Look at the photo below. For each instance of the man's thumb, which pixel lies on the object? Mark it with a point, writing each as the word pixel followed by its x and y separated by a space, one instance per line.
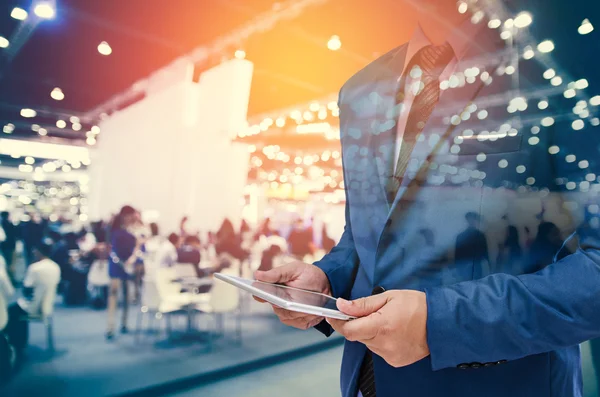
pixel 279 275
pixel 362 307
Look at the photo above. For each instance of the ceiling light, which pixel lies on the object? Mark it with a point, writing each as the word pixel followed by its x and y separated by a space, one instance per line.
pixel 463 7
pixel 43 131
pixel 8 128
pixel 57 94
pixel 528 53
pixel 61 123
pixel 95 129
pixel 28 113
pixel 240 54
pixel 19 13
pixel 74 119
pixel 44 10
pixel 35 127
pixel 91 141
pixel 523 20
pixel 76 127
pixel 104 48
pixel 3 42
pixel 494 23
pixel 546 46
pixel 586 27
pixel 334 43
pixel 29 160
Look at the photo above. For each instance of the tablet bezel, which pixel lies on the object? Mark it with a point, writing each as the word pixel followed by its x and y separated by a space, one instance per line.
pixel 277 301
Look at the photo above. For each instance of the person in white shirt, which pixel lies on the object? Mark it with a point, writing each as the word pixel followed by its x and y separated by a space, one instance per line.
pixel 166 254
pixel 42 277
pixel 6 293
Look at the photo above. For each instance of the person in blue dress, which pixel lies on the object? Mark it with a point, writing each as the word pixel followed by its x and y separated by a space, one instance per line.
pixel 125 252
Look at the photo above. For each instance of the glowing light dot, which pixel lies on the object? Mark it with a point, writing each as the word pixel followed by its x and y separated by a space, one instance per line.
pixel 528 53
pixel 61 123
pixel 462 7
pixel 28 113
pixel 543 104
pixel 585 27
pixel 535 129
pixel 494 23
pixel 482 114
pixel 556 81
pixel 548 74
pixel 44 10
pixel 570 93
pixel 577 125
pixel 18 13
pixel 545 46
pixel 581 84
pixel 534 140
pixel 57 94
pixel 104 48
pixel 505 35
pixel 553 149
pixel 503 163
pixel 509 70
pixel 4 42
pixel 240 54
pixel 571 185
pixel 509 23
pixel 521 169
pixel 523 20
pixel 481 157
pixel 334 43
pixel 570 158
pixel 530 180
pixel 583 164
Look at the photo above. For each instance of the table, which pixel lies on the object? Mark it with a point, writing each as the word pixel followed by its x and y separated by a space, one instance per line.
pixel 197 285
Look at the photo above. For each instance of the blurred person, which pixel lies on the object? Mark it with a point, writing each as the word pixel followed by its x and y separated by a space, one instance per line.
pixel 471 250
pixel 8 245
pixel 228 246
pixel 547 244
pixel 32 233
pixel 509 252
pixel 66 253
pixel 98 280
pixel 264 229
pixel 125 253
pixel 166 255
pixel 189 253
pixel 40 284
pixel 500 335
pixel 300 240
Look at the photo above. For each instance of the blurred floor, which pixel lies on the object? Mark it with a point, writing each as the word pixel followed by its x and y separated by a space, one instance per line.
pixel 314 375
pixel 85 364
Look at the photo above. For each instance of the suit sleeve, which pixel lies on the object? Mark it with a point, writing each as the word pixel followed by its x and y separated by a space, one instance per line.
pixel 506 317
pixel 340 263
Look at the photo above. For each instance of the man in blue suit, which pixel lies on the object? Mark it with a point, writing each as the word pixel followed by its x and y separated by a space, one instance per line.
pixel 471 116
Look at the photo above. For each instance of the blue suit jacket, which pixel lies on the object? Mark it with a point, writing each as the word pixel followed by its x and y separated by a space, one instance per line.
pixel 509 297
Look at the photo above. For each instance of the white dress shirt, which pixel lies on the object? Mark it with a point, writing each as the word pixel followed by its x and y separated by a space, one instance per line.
pixel 459 41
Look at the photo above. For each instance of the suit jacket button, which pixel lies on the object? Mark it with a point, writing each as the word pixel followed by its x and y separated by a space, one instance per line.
pixel 475 365
pixel 462 366
pixel 378 290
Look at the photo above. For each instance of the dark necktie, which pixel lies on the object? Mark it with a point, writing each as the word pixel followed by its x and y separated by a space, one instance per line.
pixel 432 60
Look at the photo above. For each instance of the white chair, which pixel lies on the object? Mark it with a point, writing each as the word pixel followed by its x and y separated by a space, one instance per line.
pixel 224 298
pixel 45 315
pixel 185 270
pixel 162 298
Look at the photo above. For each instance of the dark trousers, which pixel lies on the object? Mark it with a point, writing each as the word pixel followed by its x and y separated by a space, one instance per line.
pixel 17 329
pixel 7 253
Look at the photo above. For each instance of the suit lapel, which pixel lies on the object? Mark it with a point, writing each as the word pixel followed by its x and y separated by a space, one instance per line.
pixel 384 126
pixel 453 103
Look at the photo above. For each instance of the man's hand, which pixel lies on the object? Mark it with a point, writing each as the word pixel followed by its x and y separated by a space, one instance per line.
pixel 298 275
pixel 392 325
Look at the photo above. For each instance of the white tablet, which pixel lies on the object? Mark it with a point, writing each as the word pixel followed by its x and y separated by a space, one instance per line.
pixel 294 299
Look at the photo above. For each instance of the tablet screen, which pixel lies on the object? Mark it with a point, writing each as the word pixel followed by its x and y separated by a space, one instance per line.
pixel 294 295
